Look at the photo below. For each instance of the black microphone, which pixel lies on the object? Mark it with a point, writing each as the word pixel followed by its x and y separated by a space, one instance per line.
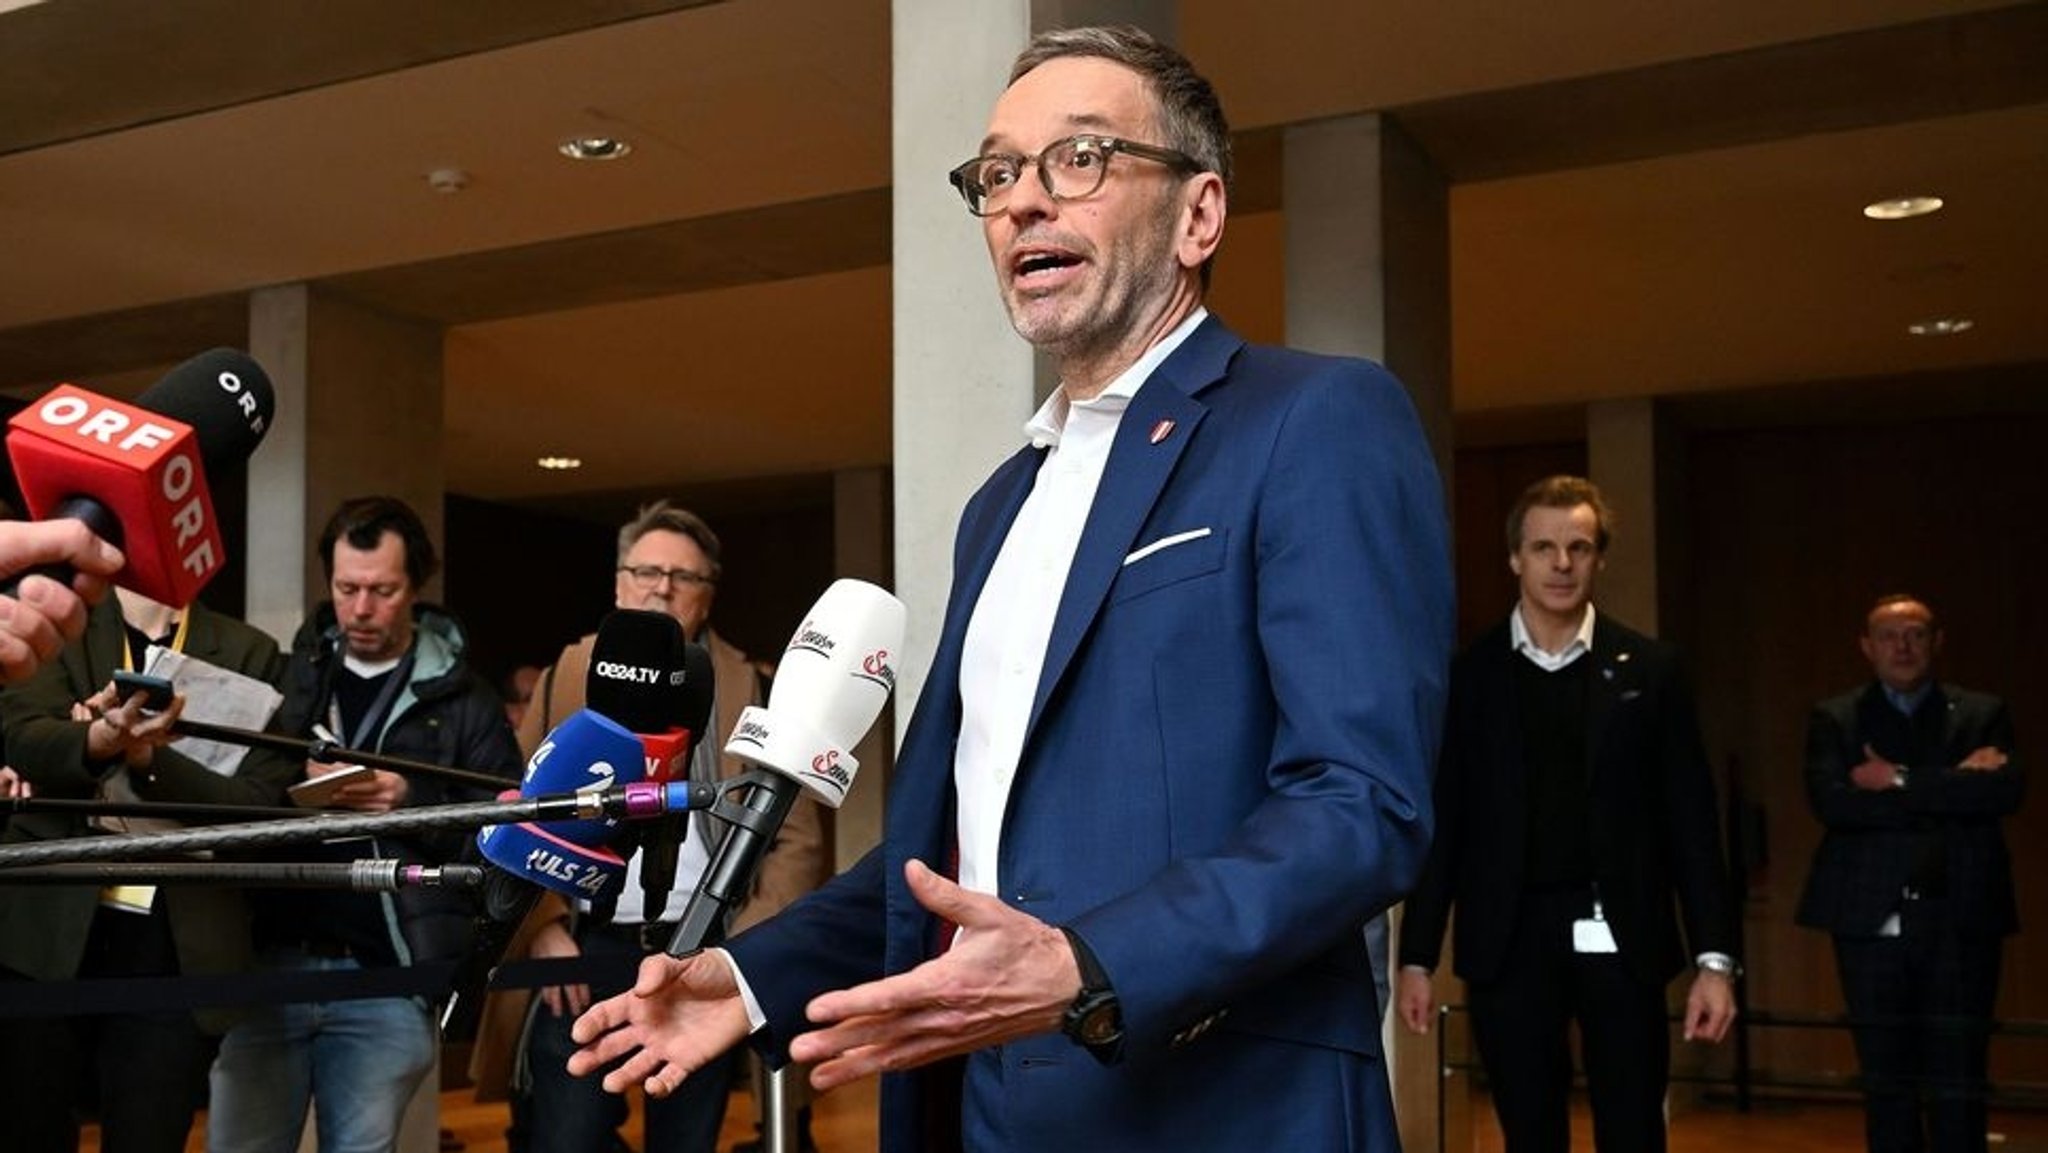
pixel 834 677
pixel 654 708
pixel 136 475
pixel 638 689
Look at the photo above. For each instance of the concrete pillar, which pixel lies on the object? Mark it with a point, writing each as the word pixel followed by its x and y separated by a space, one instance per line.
pixel 1635 452
pixel 358 412
pixel 964 382
pixel 1367 237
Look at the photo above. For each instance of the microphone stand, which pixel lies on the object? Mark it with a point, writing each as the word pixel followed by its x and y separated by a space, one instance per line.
pixel 325 750
pixel 641 801
pixel 363 876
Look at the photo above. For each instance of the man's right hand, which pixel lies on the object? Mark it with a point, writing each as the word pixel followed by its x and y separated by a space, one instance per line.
pixel 682 1014
pixel 42 614
pixel 1414 998
pixel 1874 774
pixel 553 941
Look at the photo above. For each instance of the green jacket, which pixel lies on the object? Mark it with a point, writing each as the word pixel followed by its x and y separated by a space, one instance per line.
pixel 43 929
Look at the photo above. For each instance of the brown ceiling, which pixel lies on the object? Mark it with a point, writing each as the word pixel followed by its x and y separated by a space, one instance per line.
pixel 1640 207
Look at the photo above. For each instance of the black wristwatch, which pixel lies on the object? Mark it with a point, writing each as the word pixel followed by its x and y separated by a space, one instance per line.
pixel 1094 1021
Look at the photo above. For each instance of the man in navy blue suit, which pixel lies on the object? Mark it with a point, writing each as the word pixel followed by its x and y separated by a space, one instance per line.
pixel 1179 727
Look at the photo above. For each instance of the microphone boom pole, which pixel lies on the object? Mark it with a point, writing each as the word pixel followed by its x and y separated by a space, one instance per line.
pixel 322 750
pixel 365 876
pixel 641 801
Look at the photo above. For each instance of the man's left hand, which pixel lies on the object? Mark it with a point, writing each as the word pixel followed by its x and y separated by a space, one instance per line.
pixel 377 791
pixel 1709 1007
pixel 1988 759
pixel 1008 975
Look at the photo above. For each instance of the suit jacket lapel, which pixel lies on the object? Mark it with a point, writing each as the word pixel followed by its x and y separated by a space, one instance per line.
pixel 1610 672
pixel 982 538
pixel 1951 722
pixel 1140 463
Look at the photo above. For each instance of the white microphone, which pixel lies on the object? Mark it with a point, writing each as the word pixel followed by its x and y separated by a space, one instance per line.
pixel 834 677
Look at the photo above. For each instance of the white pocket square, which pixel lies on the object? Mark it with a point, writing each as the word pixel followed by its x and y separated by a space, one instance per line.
pixel 1166 542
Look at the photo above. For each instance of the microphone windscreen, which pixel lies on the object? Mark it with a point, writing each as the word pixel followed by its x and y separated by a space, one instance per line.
pixel 227 399
pixel 588 750
pixel 643 674
pixel 840 665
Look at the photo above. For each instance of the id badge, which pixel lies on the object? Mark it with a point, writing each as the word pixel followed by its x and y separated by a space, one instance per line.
pixel 128 898
pixel 1591 934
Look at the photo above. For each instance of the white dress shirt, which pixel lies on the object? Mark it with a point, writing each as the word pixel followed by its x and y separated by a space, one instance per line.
pixel 1012 621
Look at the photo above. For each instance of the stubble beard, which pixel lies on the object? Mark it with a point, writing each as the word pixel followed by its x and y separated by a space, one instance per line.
pixel 1094 319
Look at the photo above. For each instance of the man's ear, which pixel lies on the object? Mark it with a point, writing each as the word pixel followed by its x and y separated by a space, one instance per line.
pixel 1204 206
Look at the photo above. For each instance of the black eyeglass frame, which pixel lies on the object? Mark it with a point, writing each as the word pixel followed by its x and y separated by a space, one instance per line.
pixel 677 577
pixel 1109 147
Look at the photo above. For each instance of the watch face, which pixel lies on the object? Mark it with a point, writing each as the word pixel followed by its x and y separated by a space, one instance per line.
pixel 1100 1026
pixel 1094 1019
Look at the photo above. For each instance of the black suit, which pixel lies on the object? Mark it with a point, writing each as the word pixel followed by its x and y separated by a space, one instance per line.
pixel 1651 832
pixel 1931 853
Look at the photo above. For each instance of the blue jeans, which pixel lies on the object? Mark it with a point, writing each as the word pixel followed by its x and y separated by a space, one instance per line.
pixel 357 1062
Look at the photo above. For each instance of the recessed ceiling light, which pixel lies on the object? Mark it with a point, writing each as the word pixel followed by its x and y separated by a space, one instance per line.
pixel 594 148
pixel 559 463
pixel 1941 326
pixel 1902 207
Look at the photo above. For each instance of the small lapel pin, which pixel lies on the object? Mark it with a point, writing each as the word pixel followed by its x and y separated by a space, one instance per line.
pixel 1607 673
pixel 1162 430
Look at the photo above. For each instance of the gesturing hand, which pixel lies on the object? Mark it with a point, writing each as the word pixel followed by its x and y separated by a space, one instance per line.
pixel 679 1016
pixel 1008 975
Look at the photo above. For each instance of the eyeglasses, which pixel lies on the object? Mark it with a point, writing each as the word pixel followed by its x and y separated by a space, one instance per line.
pixel 650 576
pixel 1069 169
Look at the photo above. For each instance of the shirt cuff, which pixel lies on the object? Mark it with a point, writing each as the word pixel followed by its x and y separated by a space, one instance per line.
pixel 755 1017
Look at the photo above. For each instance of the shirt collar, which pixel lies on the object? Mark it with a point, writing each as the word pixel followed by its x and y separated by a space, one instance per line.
pixel 1520 640
pixel 1907 703
pixel 1046 424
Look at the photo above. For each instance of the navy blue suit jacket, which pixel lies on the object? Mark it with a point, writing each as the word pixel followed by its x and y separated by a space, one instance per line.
pixel 1226 770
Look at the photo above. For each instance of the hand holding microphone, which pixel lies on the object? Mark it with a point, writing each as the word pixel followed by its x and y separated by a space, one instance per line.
pixel 121 491
pixel 41 610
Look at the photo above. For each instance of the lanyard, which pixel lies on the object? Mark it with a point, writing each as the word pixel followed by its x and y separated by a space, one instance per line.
pixel 177 644
pixel 373 717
